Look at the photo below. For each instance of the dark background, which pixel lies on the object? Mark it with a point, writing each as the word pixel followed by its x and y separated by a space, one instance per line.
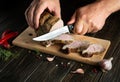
pixel 19 6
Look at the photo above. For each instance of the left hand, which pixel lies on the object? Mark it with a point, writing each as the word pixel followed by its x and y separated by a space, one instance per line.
pixel 37 7
pixel 89 19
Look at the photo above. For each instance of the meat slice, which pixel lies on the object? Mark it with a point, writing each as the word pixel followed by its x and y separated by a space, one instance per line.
pixel 93 49
pixel 56 24
pixel 75 46
pixel 63 39
pixel 47 43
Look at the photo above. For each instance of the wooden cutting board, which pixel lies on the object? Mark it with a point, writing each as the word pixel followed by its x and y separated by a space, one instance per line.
pixel 25 40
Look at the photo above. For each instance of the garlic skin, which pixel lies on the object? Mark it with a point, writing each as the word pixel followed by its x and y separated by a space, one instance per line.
pixel 79 70
pixel 106 64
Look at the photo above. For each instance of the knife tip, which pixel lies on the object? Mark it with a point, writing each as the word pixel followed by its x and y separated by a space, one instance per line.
pixel 35 39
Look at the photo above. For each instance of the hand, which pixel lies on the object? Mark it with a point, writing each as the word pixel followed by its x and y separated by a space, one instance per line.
pixel 37 7
pixel 89 19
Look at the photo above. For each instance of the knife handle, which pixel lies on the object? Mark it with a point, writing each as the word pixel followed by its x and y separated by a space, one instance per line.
pixel 70 27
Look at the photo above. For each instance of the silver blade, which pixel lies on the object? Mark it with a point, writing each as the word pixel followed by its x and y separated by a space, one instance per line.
pixel 52 34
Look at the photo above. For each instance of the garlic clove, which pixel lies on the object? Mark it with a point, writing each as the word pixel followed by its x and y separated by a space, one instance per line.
pixel 50 58
pixel 106 64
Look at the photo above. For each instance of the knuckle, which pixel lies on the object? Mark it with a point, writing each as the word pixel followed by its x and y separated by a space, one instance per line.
pixel 83 16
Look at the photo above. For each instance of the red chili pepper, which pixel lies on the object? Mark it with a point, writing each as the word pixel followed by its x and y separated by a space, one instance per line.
pixel 6 44
pixel 6 35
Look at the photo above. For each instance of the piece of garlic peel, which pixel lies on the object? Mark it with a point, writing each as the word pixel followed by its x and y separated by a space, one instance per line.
pixel 79 70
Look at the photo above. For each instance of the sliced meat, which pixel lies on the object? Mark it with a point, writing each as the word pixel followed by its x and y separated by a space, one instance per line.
pixel 75 46
pixel 55 24
pixel 47 43
pixel 93 49
pixel 63 39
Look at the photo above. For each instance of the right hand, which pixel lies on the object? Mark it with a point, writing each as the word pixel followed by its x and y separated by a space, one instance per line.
pixel 37 7
pixel 90 18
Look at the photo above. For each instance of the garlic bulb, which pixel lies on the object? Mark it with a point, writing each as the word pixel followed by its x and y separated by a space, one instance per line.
pixel 106 64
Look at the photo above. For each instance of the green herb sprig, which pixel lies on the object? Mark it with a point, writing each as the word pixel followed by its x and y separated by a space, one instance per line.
pixel 5 54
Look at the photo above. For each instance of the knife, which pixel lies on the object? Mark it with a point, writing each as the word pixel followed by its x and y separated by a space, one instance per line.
pixel 55 33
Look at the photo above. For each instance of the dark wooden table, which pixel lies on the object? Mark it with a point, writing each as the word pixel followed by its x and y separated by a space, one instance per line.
pixel 31 66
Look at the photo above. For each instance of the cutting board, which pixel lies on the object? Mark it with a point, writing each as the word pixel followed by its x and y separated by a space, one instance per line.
pixel 25 40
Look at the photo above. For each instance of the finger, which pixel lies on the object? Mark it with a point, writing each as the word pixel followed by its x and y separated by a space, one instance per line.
pixel 37 13
pixel 57 13
pixel 95 30
pixel 85 29
pixel 29 14
pixel 92 29
pixel 27 17
pixel 78 27
pixel 72 20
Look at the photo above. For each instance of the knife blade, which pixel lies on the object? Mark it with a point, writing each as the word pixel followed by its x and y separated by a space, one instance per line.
pixel 55 33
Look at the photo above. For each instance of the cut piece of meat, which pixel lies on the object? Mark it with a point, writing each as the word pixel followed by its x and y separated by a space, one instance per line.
pixel 55 23
pixel 48 23
pixel 86 55
pixel 65 38
pixel 93 49
pixel 61 39
pixel 44 16
pixel 75 46
pixel 47 43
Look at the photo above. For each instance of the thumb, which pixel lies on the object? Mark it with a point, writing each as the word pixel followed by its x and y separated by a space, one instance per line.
pixel 72 20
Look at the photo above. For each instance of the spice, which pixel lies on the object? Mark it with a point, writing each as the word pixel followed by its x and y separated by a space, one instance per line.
pixel 7 35
pixel 56 65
